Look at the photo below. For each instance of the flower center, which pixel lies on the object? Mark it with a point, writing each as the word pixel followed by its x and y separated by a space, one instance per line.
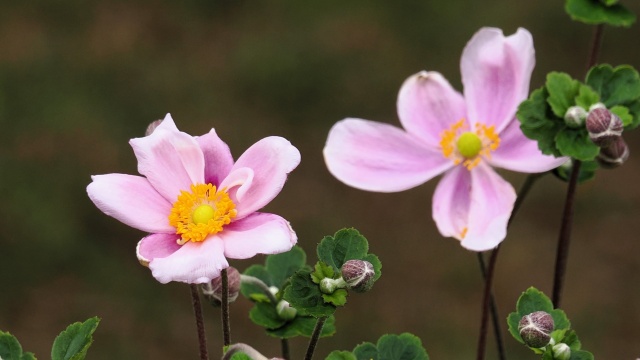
pixel 468 147
pixel 201 212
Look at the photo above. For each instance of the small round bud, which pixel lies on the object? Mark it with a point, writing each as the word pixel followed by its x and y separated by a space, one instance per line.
pixel 603 126
pixel 613 155
pixel 535 329
pixel 285 310
pixel 212 290
pixel 575 116
pixel 152 127
pixel 561 351
pixel 358 274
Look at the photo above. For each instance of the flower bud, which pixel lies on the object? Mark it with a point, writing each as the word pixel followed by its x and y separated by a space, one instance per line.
pixel 575 116
pixel 561 351
pixel 613 155
pixel 152 127
pixel 358 274
pixel 286 311
pixel 535 329
pixel 603 126
pixel 212 290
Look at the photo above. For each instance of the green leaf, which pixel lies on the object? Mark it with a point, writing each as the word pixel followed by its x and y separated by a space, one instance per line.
pixel 634 110
pixel 531 301
pixel 393 347
pixel 563 91
pixel 586 97
pixel 581 355
pixel 303 326
pixel 10 348
pixel 337 298
pixel 623 113
pixel 609 2
pixel 282 266
pixel 321 271
pixel 240 356
pixel 346 244
pixel 571 339
pixel 616 86
pixel 73 343
pixel 265 315
pixel 538 122
pixel 306 297
pixel 576 144
pixel 596 12
pixel 341 355
pixel 587 171
pixel 377 265
pixel 255 292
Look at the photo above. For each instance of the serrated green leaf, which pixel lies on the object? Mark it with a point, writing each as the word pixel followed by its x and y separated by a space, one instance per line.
pixel 265 315
pixel 538 122
pixel 586 97
pixel 282 266
pixel 341 355
pixel 10 348
pixel 305 296
pixel 337 298
pixel 616 86
pixel 321 271
pixel 303 326
pixel 571 339
pixel 575 143
pixel 623 113
pixel 596 12
pixel 587 171
pixel 404 346
pixel 346 244
pixel 366 351
pixel 581 355
pixel 563 91
pixel 73 343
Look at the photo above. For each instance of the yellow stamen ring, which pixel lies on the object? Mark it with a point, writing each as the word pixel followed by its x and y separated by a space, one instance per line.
pixel 468 147
pixel 201 212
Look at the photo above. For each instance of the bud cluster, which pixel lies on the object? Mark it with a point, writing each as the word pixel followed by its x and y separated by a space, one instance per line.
pixel 605 130
pixel 535 329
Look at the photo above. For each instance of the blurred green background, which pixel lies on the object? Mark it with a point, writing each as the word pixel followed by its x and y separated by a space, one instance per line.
pixel 78 79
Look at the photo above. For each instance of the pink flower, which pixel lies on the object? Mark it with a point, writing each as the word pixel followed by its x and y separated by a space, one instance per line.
pixel 199 206
pixel 458 135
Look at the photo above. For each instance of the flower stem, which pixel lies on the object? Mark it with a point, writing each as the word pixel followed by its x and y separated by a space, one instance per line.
pixel 226 328
pixel 595 46
pixel 314 337
pixel 562 252
pixel 285 349
pixel 248 279
pixel 488 300
pixel 197 311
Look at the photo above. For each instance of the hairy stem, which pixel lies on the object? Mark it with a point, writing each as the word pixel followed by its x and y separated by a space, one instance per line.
pixel 314 337
pixel 197 311
pixel 285 349
pixel 226 328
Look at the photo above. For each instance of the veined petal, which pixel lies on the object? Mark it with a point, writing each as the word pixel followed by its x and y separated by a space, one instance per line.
pixel 428 105
pixel 192 263
pixel 156 246
pixel 132 200
pixel 496 71
pixel 492 200
pixel 451 202
pixel 269 161
pixel 217 157
pixel 170 160
pixel 258 233
pixel 519 153
pixel 380 157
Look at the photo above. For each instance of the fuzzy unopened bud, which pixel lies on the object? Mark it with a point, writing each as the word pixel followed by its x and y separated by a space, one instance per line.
pixel 358 274
pixel 212 290
pixel 285 310
pixel 613 155
pixel 535 329
pixel 575 116
pixel 152 127
pixel 561 351
pixel 604 127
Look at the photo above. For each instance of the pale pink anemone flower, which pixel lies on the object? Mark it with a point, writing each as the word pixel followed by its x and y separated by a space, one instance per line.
pixel 199 206
pixel 459 135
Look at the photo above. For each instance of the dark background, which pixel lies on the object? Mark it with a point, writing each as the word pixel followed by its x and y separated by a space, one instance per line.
pixel 78 79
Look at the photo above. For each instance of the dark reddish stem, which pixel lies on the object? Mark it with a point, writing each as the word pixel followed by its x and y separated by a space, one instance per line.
pixel 226 328
pixel 197 311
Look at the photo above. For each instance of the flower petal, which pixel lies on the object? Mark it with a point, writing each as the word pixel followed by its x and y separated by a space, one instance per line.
pixel 156 246
pixel 171 160
pixel 193 263
pixel 474 207
pixel 132 200
pixel 258 233
pixel 270 160
pixel 428 105
pixel 518 153
pixel 217 158
pixel 167 123
pixel 495 74
pixel 380 157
